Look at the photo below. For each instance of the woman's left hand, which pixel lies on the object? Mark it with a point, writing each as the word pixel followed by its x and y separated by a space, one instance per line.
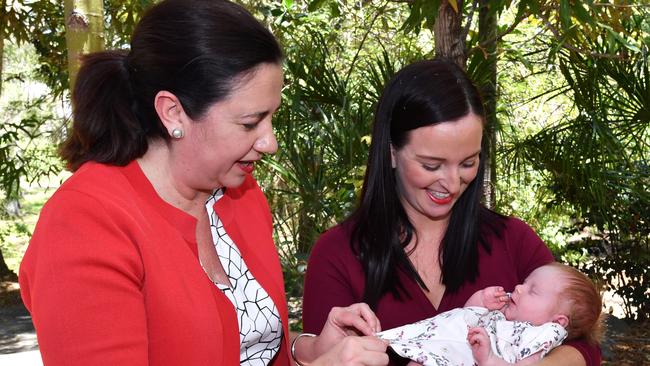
pixel 356 319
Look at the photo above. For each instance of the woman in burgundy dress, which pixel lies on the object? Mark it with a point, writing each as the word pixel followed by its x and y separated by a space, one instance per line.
pixel 420 242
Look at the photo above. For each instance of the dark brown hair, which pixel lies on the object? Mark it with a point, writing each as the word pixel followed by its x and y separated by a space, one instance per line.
pixel 421 94
pixel 196 49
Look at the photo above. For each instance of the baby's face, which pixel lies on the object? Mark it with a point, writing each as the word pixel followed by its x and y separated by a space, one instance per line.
pixel 537 300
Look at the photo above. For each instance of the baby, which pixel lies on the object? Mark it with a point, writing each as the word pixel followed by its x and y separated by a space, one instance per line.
pixel 555 302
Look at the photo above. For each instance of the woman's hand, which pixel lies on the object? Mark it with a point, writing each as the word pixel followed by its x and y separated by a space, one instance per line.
pixel 353 320
pixel 355 351
pixel 356 319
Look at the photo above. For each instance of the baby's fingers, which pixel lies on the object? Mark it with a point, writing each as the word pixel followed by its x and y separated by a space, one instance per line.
pixel 476 333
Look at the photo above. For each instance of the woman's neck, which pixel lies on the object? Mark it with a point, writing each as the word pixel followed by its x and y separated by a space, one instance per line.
pixel 158 166
pixel 429 232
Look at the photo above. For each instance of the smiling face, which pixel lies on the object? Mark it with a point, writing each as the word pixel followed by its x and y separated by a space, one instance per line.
pixel 436 165
pixel 221 147
pixel 538 300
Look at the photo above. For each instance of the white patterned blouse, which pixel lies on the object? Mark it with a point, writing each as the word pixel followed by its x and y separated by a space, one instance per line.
pixel 260 328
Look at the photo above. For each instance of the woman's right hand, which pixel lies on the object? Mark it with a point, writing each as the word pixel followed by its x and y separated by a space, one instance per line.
pixel 354 320
pixel 347 338
pixel 355 351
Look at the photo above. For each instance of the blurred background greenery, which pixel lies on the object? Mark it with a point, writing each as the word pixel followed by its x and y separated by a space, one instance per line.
pixel 566 84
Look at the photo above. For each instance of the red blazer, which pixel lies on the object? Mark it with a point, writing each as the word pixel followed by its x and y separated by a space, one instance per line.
pixel 112 276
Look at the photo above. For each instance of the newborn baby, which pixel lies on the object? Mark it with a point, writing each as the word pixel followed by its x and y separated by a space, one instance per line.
pixel 555 302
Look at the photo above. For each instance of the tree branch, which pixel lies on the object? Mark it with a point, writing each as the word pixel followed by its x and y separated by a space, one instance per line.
pixel 578 50
pixel 363 40
pixel 622 5
pixel 470 16
pixel 498 37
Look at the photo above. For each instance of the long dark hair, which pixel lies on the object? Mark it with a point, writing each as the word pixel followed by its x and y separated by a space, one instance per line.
pixel 195 49
pixel 421 94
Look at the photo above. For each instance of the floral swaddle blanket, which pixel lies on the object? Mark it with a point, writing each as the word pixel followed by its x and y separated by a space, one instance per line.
pixel 442 339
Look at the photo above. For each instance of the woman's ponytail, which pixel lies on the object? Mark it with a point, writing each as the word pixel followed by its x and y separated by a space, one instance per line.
pixel 105 128
pixel 194 49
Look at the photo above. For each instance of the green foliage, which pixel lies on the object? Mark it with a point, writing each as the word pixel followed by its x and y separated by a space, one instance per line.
pixel 13 19
pixel 28 126
pixel 46 30
pixel 332 84
pixel 314 177
pixel 27 154
pixel 613 196
pixel 41 24
pixel 595 165
pixel 120 20
pixel 423 13
pixel 24 151
pixel 16 231
pixel 573 86
pixel 12 231
pixel 313 182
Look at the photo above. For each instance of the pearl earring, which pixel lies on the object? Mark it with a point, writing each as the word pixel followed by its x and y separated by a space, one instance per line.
pixel 177 133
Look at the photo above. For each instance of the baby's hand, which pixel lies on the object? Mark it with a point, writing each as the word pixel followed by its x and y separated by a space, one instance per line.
pixel 481 350
pixel 480 343
pixel 494 297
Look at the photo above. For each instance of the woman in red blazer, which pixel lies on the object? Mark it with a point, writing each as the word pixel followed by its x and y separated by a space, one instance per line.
pixel 158 250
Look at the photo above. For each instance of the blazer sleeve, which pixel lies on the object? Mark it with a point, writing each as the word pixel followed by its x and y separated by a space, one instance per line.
pixel 81 279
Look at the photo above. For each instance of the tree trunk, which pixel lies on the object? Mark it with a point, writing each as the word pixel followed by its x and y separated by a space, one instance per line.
pixel 2 54
pixel 3 11
pixel 84 25
pixel 4 269
pixel 487 26
pixel 5 272
pixel 448 34
pixel 307 224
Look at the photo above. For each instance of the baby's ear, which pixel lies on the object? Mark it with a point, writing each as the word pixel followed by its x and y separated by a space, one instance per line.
pixel 561 319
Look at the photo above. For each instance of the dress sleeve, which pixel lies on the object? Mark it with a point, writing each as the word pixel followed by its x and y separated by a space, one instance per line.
pixel 81 279
pixel 589 351
pixel 332 272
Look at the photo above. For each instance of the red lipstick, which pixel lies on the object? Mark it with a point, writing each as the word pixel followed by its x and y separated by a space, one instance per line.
pixel 440 201
pixel 247 167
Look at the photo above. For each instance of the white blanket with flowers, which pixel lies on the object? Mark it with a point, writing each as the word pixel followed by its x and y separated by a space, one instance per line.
pixel 442 340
